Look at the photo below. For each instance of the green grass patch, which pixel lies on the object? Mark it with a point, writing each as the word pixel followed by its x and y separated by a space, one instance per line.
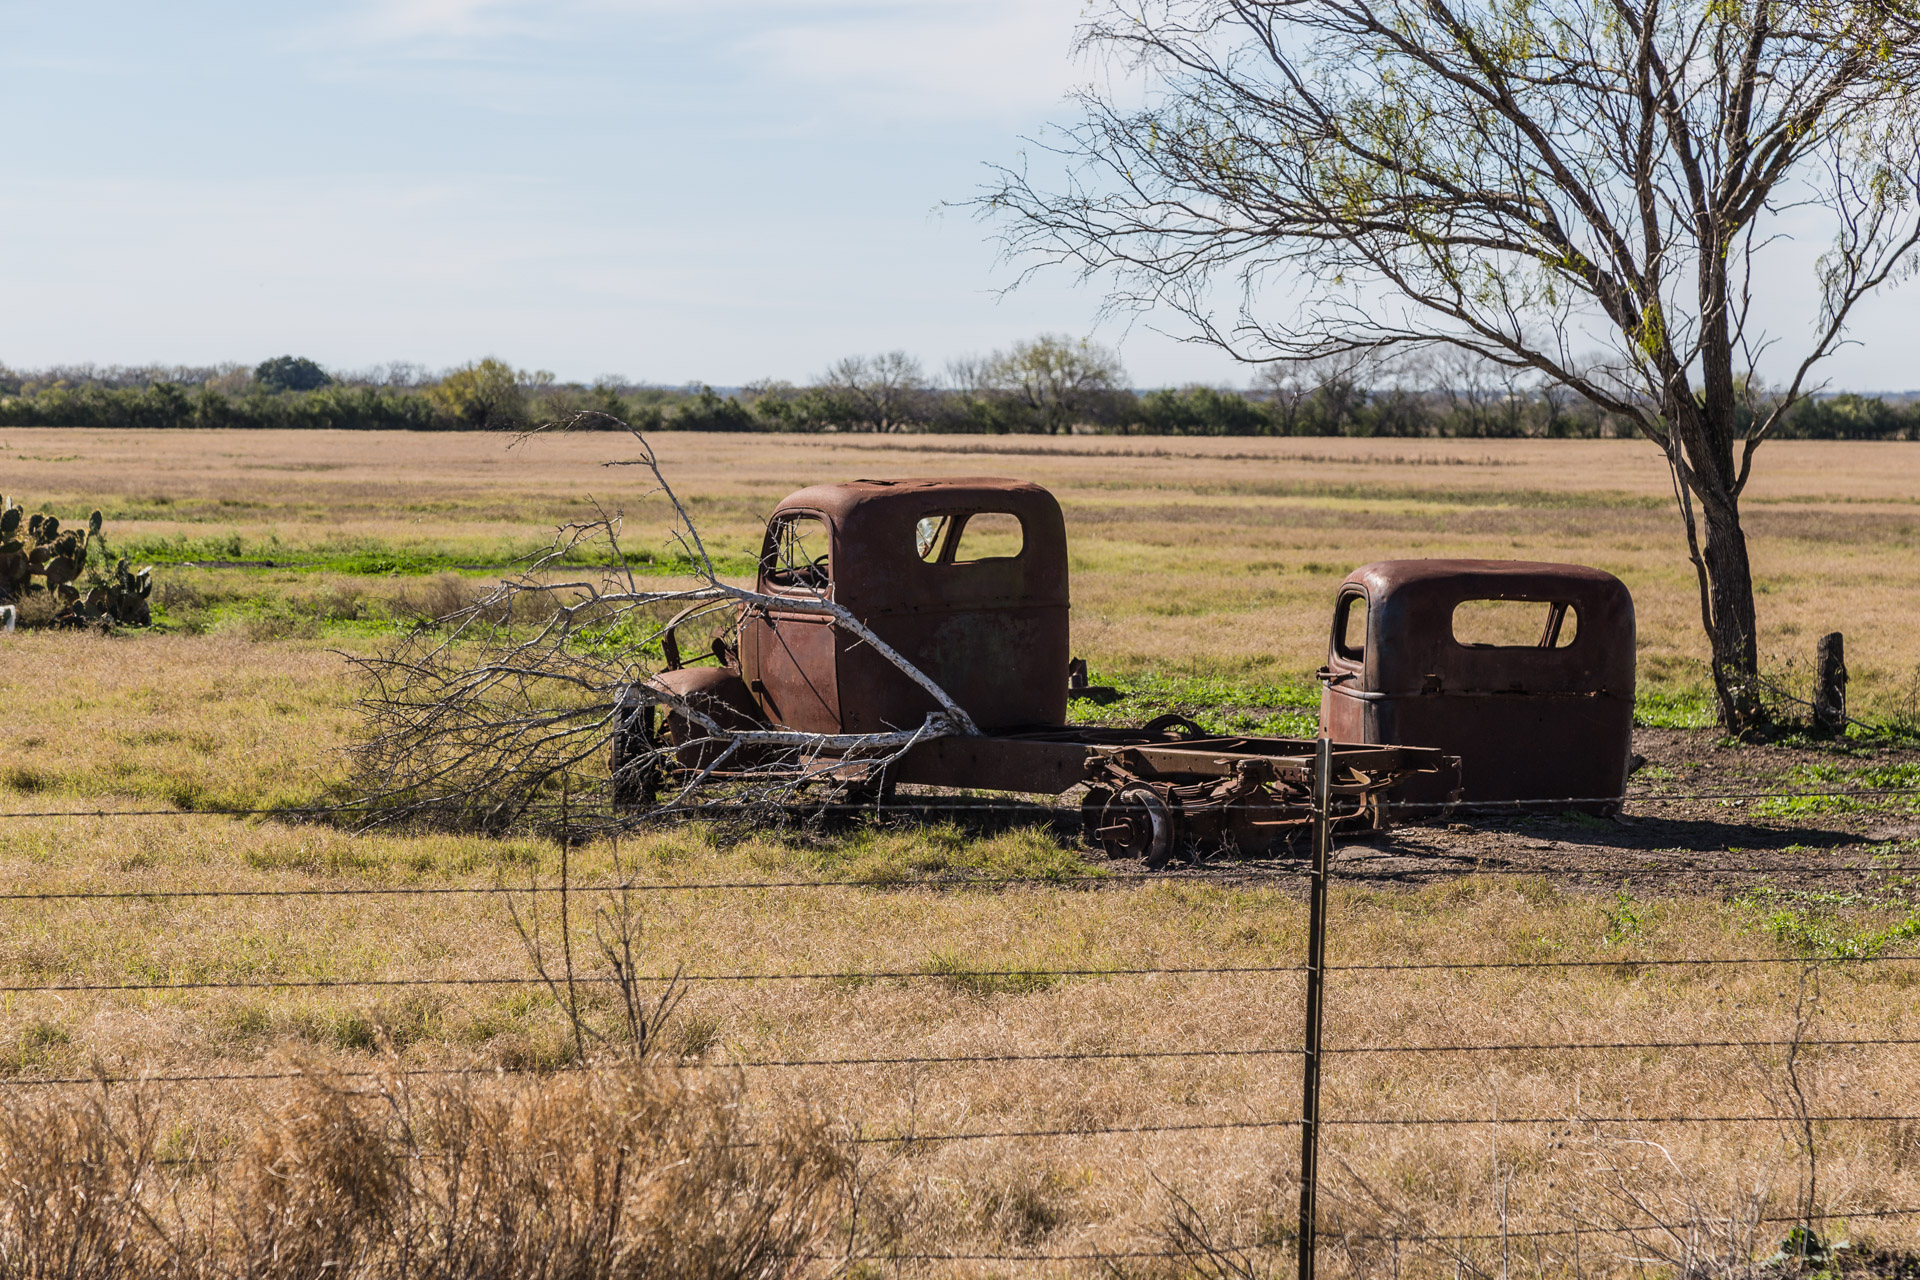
pixel 1901 780
pixel 375 559
pixel 1219 704
pixel 1682 707
pixel 1291 708
pixel 896 855
pixel 1837 924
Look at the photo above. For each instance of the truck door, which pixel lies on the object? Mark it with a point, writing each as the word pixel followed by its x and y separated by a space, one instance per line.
pixel 788 657
pixel 1343 711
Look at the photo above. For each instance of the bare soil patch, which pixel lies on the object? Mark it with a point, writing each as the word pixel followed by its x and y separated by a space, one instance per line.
pixel 1703 816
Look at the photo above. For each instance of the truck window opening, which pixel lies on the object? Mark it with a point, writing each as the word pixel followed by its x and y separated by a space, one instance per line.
pixel 989 535
pixel 1515 624
pixel 799 554
pixel 1350 626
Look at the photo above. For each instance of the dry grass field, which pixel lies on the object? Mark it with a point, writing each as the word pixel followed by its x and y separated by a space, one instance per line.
pixel 1205 557
pixel 1055 1004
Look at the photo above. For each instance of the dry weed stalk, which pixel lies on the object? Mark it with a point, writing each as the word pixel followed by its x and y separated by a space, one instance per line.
pixel 599 1176
pixel 1193 1245
pixel 76 1190
pixel 616 928
pixel 470 722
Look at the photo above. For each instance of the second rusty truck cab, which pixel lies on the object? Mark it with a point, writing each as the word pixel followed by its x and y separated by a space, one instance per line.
pixel 1523 670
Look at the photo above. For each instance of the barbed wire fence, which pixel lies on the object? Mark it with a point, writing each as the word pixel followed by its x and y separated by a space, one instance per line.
pixel 647 997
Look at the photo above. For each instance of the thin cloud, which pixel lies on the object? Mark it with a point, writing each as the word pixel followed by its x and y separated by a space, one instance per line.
pixel 918 58
pixel 931 60
pixel 463 20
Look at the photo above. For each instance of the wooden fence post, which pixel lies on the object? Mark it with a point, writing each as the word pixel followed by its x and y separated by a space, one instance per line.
pixel 1316 991
pixel 1830 685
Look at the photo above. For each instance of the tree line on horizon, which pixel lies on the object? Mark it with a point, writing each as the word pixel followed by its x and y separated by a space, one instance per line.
pixel 1049 385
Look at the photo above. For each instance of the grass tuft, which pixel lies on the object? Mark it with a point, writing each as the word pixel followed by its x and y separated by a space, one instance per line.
pixel 983 979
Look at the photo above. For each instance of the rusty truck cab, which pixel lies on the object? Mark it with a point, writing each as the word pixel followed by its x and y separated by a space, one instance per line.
pixel 1525 671
pixel 966 578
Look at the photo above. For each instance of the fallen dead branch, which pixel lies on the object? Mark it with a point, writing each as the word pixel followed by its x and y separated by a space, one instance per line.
pixel 474 721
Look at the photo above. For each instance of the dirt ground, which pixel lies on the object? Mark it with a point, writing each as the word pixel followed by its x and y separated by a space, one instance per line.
pixel 1703 815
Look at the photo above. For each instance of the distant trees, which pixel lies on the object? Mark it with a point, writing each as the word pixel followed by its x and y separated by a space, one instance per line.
pixel 488 395
pixel 709 411
pixel 1049 385
pixel 1851 417
pixel 887 392
pixel 878 393
pixel 1202 411
pixel 1320 396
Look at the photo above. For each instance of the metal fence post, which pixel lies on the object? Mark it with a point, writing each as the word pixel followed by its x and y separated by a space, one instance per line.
pixel 1316 991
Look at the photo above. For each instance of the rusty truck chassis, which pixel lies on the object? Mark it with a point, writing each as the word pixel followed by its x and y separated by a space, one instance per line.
pixel 1162 790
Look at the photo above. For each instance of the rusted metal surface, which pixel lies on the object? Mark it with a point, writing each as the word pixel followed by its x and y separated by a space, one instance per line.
pixel 1545 714
pixel 992 632
pixel 1252 796
pixel 984 614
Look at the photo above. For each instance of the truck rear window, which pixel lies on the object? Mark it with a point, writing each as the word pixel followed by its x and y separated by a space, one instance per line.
pixel 1515 624
pixel 964 537
pixel 990 535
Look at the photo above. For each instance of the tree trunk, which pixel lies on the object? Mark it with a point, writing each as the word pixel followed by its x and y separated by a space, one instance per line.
pixel 1731 627
pixel 1719 552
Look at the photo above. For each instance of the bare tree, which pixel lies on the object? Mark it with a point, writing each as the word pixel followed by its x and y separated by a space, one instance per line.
pixel 881 393
pixel 1554 399
pixel 1293 389
pixel 1058 380
pixel 1514 180
pixel 1482 396
pixel 968 375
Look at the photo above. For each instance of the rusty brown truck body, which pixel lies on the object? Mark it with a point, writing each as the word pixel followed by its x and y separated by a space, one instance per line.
pixel 967 581
pixel 1524 671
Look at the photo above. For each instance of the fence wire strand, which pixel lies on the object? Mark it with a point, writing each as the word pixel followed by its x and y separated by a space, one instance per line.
pixel 1191 873
pixel 937 1060
pixel 1463 1237
pixel 888 975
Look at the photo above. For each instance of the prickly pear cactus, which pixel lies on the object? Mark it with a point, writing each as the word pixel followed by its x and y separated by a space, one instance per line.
pixel 121 598
pixel 16 572
pixel 57 558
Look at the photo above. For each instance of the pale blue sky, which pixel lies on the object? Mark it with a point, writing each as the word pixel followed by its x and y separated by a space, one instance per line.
pixel 672 190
